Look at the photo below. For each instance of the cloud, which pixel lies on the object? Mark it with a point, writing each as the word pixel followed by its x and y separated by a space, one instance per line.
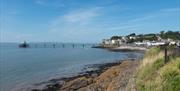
pixel 84 22
pixel 50 3
pixel 171 10
pixel 81 15
pixel 157 14
pixel 74 19
pixel 40 2
pixel 125 27
pixel 75 25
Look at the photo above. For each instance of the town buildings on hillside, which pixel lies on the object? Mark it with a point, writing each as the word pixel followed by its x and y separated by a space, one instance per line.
pixel 132 40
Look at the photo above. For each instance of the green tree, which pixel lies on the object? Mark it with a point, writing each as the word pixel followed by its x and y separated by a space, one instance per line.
pixel 132 34
pixel 115 37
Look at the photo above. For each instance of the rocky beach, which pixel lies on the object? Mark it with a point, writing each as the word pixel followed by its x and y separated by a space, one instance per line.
pixel 106 77
pixel 126 75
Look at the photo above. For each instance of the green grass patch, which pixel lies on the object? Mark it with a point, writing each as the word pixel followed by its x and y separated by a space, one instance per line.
pixel 171 75
pixel 158 76
pixel 153 51
pixel 146 76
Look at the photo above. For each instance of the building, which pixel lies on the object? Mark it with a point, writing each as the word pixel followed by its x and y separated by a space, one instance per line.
pixel 106 41
pixel 149 43
pixel 124 39
pixel 154 43
pixel 132 37
pixel 113 42
pixel 140 43
pixel 117 42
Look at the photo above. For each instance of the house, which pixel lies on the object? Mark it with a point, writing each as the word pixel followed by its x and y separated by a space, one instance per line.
pixel 114 42
pixel 124 39
pixel 140 43
pixel 159 38
pixel 132 37
pixel 117 42
pixel 172 43
pixel 178 43
pixel 106 41
pixel 149 43
pixel 154 43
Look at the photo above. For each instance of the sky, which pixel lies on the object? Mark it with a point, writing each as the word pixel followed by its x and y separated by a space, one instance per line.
pixel 84 21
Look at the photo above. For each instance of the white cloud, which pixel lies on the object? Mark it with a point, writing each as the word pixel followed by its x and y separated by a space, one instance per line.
pixel 75 25
pixel 125 27
pixel 82 22
pixel 41 2
pixel 158 14
pixel 74 19
pixel 81 15
pixel 171 10
pixel 50 3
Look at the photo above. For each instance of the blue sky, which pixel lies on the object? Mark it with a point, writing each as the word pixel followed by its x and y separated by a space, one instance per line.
pixel 84 20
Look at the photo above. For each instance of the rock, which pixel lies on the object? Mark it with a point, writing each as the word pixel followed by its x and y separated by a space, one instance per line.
pixel 76 84
pixel 94 75
pixel 111 77
pixel 115 78
pixel 36 90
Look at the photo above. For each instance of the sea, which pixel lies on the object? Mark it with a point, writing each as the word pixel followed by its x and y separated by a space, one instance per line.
pixel 24 67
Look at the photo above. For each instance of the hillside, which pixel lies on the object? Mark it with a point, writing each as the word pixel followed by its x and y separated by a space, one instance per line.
pixel 155 75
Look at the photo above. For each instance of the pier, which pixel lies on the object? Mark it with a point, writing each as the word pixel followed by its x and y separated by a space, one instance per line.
pixel 57 45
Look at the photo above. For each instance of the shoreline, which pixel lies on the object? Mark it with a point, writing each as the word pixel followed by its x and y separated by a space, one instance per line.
pixel 65 83
pixel 122 48
pixel 56 83
pixel 128 48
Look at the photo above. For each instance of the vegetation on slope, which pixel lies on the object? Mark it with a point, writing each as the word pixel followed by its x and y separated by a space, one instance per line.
pixel 175 35
pixel 155 75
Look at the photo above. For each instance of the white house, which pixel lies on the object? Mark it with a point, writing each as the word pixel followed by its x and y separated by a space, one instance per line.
pixel 132 37
pixel 140 43
pixel 172 43
pixel 112 42
pixel 155 43
pixel 116 42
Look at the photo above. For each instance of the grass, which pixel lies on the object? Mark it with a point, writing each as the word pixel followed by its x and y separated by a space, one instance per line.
pixel 171 75
pixel 154 75
pixel 153 51
pixel 151 56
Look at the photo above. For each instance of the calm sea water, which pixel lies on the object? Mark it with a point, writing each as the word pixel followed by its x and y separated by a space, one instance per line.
pixel 21 67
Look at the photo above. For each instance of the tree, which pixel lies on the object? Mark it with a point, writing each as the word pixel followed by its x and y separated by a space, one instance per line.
pixel 161 32
pixel 115 37
pixel 130 41
pixel 140 37
pixel 132 34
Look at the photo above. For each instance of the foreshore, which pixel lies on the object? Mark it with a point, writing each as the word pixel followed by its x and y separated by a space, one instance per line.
pixel 122 48
pixel 111 76
pixel 128 48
